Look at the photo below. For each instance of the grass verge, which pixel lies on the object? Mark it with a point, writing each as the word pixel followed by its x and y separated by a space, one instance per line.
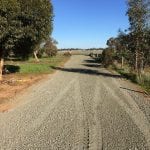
pixel 143 80
pixel 44 66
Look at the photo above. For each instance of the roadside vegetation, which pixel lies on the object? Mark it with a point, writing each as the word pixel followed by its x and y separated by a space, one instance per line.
pixel 129 52
pixel 44 66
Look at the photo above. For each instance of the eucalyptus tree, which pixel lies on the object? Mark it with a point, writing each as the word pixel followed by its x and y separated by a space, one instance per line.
pixel 24 25
pixel 137 13
pixel 37 21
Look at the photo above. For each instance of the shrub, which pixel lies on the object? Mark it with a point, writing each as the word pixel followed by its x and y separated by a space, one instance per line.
pixel 51 52
pixel 107 57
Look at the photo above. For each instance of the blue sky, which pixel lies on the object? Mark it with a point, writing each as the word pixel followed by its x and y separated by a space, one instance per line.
pixel 87 23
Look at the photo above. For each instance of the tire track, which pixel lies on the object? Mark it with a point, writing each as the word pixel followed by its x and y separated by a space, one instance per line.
pixel 83 116
pixel 92 127
pixel 96 131
pixel 135 114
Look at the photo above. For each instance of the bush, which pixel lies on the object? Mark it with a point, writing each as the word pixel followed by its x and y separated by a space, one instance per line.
pixel 107 57
pixel 51 52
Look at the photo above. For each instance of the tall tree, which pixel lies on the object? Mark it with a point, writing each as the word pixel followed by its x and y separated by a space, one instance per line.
pixel 137 13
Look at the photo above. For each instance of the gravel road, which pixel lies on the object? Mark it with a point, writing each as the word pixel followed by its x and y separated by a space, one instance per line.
pixel 82 106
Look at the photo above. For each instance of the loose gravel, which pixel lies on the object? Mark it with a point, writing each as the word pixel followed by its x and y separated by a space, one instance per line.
pixel 83 106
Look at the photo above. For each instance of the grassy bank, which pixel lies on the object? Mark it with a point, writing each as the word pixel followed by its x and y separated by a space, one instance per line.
pixel 143 80
pixel 44 66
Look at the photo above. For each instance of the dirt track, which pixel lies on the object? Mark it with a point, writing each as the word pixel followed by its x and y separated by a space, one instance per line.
pixel 82 106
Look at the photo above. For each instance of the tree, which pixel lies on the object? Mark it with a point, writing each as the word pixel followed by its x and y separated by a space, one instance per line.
pixel 23 26
pixel 10 28
pixel 36 18
pixel 137 13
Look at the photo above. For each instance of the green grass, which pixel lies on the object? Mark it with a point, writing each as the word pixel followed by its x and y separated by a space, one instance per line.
pixel 145 82
pixel 32 67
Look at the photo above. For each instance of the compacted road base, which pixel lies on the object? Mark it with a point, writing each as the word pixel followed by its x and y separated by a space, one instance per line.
pixel 83 106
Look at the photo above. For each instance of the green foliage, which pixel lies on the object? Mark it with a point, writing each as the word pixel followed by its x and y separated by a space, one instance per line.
pixel 10 26
pixel 36 17
pixel 138 14
pixel 143 80
pixel 23 25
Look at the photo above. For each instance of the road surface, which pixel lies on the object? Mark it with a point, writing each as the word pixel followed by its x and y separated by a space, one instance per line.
pixel 82 106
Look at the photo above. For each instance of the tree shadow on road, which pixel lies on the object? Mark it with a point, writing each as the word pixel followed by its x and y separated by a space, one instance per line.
pixel 92 65
pixel 91 61
pixel 87 71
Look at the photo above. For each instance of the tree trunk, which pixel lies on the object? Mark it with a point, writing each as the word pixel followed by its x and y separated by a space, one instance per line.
pixel 136 61
pixel 122 62
pixel 1 67
pixel 35 55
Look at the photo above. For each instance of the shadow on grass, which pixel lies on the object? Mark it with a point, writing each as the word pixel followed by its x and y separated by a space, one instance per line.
pixel 86 71
pixel 130 76
pixel 11 69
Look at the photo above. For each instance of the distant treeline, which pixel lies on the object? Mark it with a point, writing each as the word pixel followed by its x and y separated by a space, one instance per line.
pixel 75 49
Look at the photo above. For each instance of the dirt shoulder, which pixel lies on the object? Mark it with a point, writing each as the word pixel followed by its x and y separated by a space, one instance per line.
pixel 16 84
pixel 12 85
